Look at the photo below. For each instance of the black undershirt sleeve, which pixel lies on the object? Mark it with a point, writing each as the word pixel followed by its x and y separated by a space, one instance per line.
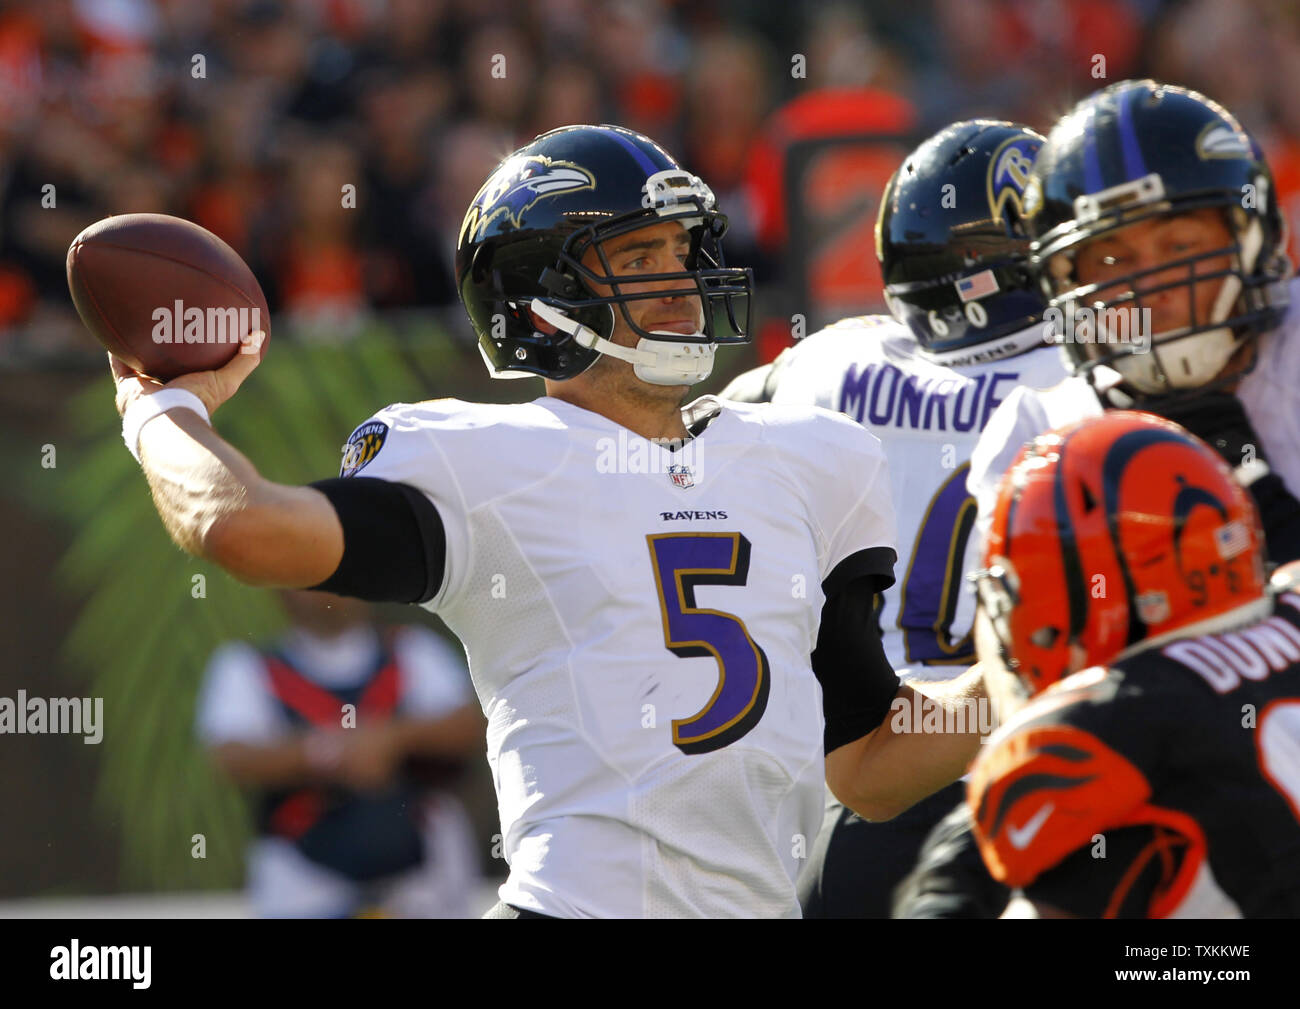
pixel 858 683
pixel 394 542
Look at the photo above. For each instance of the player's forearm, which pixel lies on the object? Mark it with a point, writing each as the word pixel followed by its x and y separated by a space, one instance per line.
pixel 215 505
pixel 949 754
pixel 197 479
pixel 896 769
pixel 455 735
pixel 266 765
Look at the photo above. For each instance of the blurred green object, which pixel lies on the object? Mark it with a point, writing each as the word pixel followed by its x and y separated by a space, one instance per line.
pixel 152 616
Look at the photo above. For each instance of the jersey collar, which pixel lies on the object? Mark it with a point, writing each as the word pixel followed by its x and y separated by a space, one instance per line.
pixel 995 350
pixel 697 415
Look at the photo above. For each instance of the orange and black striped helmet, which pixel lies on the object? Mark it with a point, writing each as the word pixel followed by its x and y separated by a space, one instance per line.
pixel 1112 532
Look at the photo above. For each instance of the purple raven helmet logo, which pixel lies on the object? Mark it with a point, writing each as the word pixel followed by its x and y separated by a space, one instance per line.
pixel 1009 170
pixel 516 185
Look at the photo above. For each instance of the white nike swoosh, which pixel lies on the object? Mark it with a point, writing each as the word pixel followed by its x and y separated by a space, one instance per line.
pixel 1021 837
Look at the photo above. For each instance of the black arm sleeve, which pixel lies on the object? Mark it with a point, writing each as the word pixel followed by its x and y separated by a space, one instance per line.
pixel 394 543
pixel 858 683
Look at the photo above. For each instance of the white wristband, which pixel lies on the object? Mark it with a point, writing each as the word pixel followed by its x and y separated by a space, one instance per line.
pixel 146 408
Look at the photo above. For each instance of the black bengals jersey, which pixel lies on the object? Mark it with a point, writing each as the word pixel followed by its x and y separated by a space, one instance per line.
pixel 1165 786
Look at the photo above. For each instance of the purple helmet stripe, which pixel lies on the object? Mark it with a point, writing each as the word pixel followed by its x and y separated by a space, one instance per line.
pixel 1091 160
pixel 647 166
pixel 1134 166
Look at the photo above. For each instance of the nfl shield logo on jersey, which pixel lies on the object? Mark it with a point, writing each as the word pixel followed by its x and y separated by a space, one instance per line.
pixel 681 476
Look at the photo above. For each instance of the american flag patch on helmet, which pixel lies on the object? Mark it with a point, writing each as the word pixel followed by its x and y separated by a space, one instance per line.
pixel 1232 538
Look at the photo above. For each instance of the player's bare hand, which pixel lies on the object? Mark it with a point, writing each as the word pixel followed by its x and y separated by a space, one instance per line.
pixel 212 387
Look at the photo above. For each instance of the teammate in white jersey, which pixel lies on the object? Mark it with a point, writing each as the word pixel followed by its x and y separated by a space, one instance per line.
pixel 667 611
pixel 968 333
pixel 1162 249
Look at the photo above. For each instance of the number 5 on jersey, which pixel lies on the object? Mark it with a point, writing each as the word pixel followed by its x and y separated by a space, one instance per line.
pixel 681 561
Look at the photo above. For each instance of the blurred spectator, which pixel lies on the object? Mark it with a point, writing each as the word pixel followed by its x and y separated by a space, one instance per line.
pixel 405 265
pixel 726 99
pixel 497 76
pixel 569 93
pixel 347 737
pixel 319 271
pixel 249 115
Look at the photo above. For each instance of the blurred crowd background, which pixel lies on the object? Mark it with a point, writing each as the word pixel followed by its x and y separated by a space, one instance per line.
pixel 250 116
pixel 412 101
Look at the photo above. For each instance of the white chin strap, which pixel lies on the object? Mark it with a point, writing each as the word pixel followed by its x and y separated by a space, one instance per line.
pixel 659 362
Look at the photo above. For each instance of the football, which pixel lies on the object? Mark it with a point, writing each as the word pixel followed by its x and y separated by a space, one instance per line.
pixel 164 295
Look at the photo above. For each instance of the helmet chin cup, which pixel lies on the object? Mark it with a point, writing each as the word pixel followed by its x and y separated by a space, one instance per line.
pixel 1182 363
pixel 659 362
pixel 673 363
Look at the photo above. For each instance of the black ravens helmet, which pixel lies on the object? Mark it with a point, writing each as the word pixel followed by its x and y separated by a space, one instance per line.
pixel 523 240
pixel 951 247
pixel 1139 150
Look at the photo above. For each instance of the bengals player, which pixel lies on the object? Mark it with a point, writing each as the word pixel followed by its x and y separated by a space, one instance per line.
pixel 1154 771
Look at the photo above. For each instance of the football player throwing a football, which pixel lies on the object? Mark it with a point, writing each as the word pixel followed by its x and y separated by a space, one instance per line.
pixel 658 603
pixel 1153 774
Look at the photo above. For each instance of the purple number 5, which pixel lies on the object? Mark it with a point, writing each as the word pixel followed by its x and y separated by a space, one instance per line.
pixel 682 561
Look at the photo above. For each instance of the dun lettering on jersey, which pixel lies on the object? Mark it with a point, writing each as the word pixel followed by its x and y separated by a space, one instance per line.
pixel 1224 661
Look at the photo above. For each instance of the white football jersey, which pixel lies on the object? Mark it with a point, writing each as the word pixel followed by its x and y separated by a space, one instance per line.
pixel 1267 394
pixel 639 624
pixel 928 417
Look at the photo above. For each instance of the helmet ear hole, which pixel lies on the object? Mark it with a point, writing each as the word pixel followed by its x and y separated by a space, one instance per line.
pixel 1045 637
pixel 539 324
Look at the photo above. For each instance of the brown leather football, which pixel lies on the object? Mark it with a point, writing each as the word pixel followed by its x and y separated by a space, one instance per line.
pixel 163 294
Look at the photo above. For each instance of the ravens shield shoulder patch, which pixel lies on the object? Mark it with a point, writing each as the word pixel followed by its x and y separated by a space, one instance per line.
pixel 362 446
